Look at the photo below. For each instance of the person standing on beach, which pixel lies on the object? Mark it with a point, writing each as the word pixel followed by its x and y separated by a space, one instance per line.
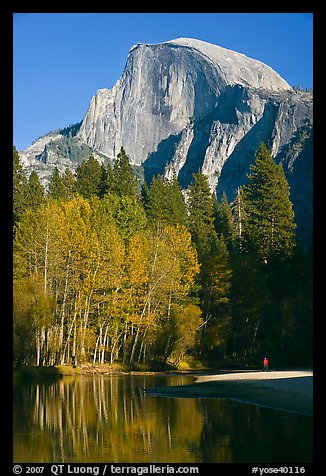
pixel 265 364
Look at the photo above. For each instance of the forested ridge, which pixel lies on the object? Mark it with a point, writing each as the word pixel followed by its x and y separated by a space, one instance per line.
pixel 106 270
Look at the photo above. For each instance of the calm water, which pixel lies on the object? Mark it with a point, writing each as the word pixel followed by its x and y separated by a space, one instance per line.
pixel 111 419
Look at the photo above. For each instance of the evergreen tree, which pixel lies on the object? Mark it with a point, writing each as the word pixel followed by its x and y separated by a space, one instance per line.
pixel 270 223
pixel 201 215
pixel 155 205
pixel 19 187
pixel 106 180
pixel 57 189
pixel 88 175
pixel 164 202
pixel 215 274
pixel 35 191
pixel 224 220
pixel 69 182
pixel 144 192
pixel 124 182
pixel 177 205
pixel 287 328
pixel 215 285
pixel 128 214
pixel 251 302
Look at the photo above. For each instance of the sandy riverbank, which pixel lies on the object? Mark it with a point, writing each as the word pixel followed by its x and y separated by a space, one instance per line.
pixel 283 390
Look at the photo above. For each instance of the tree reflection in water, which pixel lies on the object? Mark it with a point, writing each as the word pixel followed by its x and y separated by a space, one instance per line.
pixel 112 419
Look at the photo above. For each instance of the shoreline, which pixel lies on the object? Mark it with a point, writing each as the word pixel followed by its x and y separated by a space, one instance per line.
pixel 290 391
pixel 287 390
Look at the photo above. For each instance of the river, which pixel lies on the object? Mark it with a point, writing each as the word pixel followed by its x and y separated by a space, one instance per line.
pixel 112 419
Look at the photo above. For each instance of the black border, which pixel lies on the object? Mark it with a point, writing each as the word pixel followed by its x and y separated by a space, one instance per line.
pixel 7 9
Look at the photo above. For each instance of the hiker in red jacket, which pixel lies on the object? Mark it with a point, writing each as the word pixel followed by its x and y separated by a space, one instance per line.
pixel 265 364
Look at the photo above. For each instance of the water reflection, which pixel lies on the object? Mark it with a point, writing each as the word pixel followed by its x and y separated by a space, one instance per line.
pixel 112 419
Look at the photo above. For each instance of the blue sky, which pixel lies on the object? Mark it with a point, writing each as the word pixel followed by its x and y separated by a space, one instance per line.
pixel 62 59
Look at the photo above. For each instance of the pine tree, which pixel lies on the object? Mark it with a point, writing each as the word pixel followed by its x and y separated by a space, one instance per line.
pixel 201 215
pixel 124 182
pixel 35 191
pixel 215 286
pixel 164 202
pixel 69 182
pixel 155 205
pixel 224 220
pixel 214 278
pixel 270 226
pixel 88 175
pixel 250 304
pixel 19 187
pixel 106 180
pixel 57 189
pixel 177 205
pixel 144 192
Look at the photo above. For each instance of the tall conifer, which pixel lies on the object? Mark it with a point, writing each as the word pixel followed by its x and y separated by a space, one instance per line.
pixel 124 182
pixel 270 226
pixel 224 219
pixel 57 187
pixel 19 187
pixel 88 175
pixel 69 182
pixel 35 191
pixel 164 202
pixel 201 214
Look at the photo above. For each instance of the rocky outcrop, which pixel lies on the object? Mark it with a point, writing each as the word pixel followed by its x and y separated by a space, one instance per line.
pixel 165 88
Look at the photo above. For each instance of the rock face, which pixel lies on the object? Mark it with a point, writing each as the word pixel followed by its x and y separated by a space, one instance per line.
pixel 164 89
pixel 186 105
